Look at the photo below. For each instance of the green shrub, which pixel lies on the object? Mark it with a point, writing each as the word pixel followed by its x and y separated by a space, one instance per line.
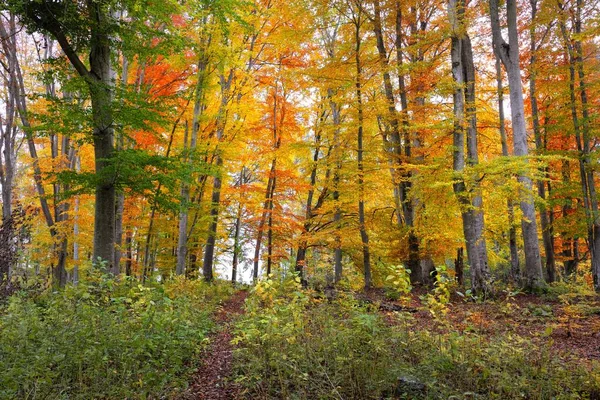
pixel 293 346
pixel 103 339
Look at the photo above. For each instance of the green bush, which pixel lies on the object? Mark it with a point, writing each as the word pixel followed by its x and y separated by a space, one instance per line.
pixel 103 339
pixel 294 346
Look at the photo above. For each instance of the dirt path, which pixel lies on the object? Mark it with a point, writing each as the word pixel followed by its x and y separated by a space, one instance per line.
pixel 210 381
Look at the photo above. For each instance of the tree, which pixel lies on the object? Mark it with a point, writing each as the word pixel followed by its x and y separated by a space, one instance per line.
pixel 90 24
pixel 463 72
pixel 508 53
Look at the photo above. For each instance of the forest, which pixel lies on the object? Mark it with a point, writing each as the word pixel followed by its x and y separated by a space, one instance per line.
pixel 299 199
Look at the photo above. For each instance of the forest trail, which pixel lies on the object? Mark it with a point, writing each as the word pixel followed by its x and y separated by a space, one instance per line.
pixel 211 380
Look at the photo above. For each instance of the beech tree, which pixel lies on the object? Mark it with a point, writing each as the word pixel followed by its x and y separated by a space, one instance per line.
pixel 508 53
pixel 463 72
pixel 89 24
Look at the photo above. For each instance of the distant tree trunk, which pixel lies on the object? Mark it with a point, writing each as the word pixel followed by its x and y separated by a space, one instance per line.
pixel 569 243
pixel 582 138
pixel 515 269
pixel 209 250
pixel 459 267
pixel 270 192
pixel 263 219
pixel 544 218
pixel 337 216
pixel 129 247
pixel 302 247
pixel 509 55
pixel 364 236
pixel 237 249
pixel 120 199
pixel 76 231
pixel 270 235
pixel 401 179
pixel 146 267
pixel 182 247
pixel 463 73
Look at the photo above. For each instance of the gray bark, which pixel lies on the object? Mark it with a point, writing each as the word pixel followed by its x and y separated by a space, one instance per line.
pixel 209 250
pixel 515 269
pixel 237 249
pixel 509 55
pixel 182 247
pixel 463 73
pixel 541 189
pixel 582 138
pixel 120 199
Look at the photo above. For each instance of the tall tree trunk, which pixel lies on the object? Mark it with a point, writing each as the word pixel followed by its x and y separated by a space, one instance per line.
pixel 337 216
pixel 209 250
pixel 303 245
pixel 582 138
pixel 100 79
pixel 515 269
pixel 120 200
pixel 237 248
pixel 271 184
pixel 509 55
pixel 364 236
pixel 261 224
pixel 463 73
pixel 182 247
pixel 594 233
pixel 544 218
pixel 401 179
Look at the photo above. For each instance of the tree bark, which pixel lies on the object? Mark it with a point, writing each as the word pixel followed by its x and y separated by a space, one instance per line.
pixel 515 269
pixel 182 246
pixel 400 179
pixel 209 250
pixel 509 55
pixel 364 236
pixel 463 73
pixel 541 189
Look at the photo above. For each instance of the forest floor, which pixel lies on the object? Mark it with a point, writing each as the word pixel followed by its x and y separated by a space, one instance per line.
pixel 573 328
pixel 570 329
pixel 211 380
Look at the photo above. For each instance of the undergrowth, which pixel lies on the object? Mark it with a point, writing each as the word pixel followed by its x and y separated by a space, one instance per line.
pixel 295 345
pixel 104 339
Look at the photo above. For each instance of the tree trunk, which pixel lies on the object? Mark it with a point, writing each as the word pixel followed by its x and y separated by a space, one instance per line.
pixel 182 246
pixel 509 55
pixel 544 218
pixel 582 137
pixel 237 249
pixel 401 179
pixel 463 73
pixel 337 216
pixel 209 250
pixel 302 247
pixel 100 82
pixel 364 237
pixel 515 269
